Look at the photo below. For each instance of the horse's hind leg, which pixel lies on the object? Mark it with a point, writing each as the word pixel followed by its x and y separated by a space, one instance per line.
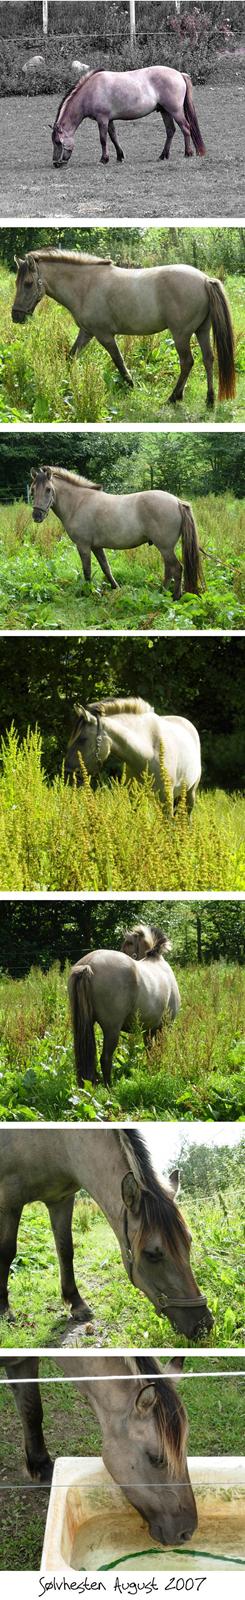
pixel 113 351
pixel 114 140
pixel 170 131
pixel 9 1223
pixel 61 1223
pixel 190 798
pixel 104 564
pixel 173 569
pixel 184 127
pixel 110 1042
pixel 186 363
pixel 28 1401
pixel 86 564
pixel 203 336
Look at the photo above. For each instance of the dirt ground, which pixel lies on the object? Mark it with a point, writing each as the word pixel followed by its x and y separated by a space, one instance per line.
pixel 138 187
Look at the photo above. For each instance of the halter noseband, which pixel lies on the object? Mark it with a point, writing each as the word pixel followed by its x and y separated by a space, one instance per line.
pixel 164 1301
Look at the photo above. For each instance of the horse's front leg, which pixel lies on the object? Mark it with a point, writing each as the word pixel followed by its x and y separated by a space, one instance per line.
pixel 102 559
pixel 114 140
pixel 113 351
pixel 28 1401
pixel 83 338
pixel 9 1223
pixel 170 131
pixel 61 1223
pixel 103 131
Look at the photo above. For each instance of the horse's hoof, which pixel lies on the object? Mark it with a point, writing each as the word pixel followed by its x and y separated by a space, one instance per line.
pixel 130 381
pixel 121 156
pixel 210 401
pixel 5 1312
pixel 164 155
pixel 104 161
pixel 189 153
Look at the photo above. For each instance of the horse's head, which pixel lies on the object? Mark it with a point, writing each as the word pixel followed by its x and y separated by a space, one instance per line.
pixel 42 493
pixel 145 940
pixel 144 1449
pixel 88 740
pixel 62 141
pixel 29 288
pixel 155 1245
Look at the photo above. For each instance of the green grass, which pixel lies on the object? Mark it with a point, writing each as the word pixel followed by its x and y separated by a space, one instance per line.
pixel 215 1414
pixel 42 583
pixel 40 384
pixel 194 1069
pixel 119 836
pixel 123 1317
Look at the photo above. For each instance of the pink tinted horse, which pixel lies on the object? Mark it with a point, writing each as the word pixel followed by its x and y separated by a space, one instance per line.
pixel 102 96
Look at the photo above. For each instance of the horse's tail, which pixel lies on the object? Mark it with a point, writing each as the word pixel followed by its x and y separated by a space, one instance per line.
pixel 80 994
pixel 191 117
pixel 193 571
pixel 223 337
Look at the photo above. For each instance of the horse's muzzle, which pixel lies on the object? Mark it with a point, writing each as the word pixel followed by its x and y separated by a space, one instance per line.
pixel 38 516
pixel 61 157
pixel 18 316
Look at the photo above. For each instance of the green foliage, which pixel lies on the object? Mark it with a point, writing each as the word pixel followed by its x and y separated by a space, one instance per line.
pixel 194 1068
pixel 118 837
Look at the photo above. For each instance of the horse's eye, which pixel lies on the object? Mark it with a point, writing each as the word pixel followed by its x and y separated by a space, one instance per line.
pixel 156 1461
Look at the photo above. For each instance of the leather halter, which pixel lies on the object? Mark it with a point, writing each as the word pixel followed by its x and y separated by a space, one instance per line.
pixel 163 1299
pixel 99 738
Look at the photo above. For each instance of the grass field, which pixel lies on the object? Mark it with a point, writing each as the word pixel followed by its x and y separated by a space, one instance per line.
pixel 123 1317
pixel 116 837
pixel 215 1415
pixel 40 384
pixel 42 584
pixel 194 1069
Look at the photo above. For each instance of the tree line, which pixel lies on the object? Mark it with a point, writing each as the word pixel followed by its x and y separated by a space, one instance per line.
pixel 34 933
pixel 206 248
pixel 185 464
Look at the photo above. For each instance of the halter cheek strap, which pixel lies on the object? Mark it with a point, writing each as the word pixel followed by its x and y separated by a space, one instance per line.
pixel 165 1302
pixel 99 740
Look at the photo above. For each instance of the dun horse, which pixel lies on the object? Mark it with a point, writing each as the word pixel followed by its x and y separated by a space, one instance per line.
pixel 132 732
pixel 112 987
pixel 127 95
pixel 106 300
pixel 51 1165
pixel 143 1427
pixel 94 519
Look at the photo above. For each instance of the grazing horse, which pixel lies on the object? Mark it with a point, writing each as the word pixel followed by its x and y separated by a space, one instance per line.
pixel 127 95
pixel 94 519
pixel 113 987
pixel 132 732
pixel 106 300
pixel 143 1426
pixel 52 1165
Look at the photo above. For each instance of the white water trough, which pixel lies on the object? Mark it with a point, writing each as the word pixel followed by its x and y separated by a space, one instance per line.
pixel 90 1525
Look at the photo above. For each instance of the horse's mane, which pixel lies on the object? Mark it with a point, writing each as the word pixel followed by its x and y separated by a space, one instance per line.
pixel 78 256
pixel 157 1208
pixel 75 86
pixel 170 1414
pixel 113 708
pixel 70 477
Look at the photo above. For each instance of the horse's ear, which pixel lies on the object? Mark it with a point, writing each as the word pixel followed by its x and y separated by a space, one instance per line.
pixel 167 943
pixel 131 1193
pixel 146 1400
pixel 174 1368
pixel 18 262
pixel 80 711
pixel 174 1182
pixel 30 263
